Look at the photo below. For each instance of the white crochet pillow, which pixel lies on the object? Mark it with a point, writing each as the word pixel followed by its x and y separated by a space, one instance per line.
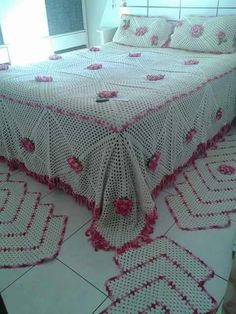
pixel 206 34
pixel 143 31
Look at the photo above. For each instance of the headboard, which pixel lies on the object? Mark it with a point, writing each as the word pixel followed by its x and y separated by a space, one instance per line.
pixel 176 9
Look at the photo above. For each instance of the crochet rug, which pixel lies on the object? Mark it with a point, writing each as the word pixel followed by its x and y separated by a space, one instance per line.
pixel 160 277
pixel 29 232
pixel 207 194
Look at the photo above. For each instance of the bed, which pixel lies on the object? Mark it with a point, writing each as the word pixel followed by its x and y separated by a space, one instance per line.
pixel 116 155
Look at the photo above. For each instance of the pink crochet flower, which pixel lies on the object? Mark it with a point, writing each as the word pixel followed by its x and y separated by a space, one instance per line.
pixel 153 77
pixel 94 49
pixel 4 67
pixel 190 135
pixel 225 169
pixel 196 30
pixel 43 79
pixel 153 162
pixel 191 62
pixel 179 24
pixel 95 66
pixel 55 57
pixel 134 55
pixel 27 145
pixel 107 94
pixel 126 24
pixel 221 36
pixel 140 31
pixel 75 164
pixel 123 206
pixel 219 114
pixel 154 40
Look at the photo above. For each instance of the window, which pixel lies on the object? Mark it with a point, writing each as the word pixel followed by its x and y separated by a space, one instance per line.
pixel 28 24
pixel 64 16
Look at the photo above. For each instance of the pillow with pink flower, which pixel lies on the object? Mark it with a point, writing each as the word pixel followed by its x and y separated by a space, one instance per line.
pixel 205 34
pixel 143 31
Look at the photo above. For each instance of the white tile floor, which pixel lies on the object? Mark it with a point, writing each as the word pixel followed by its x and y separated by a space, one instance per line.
pixel 74 282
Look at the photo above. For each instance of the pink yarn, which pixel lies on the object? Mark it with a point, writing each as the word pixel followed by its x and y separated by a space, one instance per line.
pixel 179 24
pixel 221 35
pixel 153 77
pixel 4 67
pixel 191 62
pixel 123 206
pixel 95 66
pixel 225 169
pixel 153 162
pixel 107 94
pixel 27 145
pixel 140 31
pixel 190 135
pixel 75 164
pixel 55 57
pixel 154 40
pixel 94 49
pixel 43 79
pixel 219 114
pixel 126 24
pixel 196 30
pixel 134 55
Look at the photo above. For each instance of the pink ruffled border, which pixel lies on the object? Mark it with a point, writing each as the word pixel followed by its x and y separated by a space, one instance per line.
pixel 200 150
pixel 95 238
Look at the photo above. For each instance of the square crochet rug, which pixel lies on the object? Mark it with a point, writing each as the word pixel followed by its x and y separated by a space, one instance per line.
pixel 160 277
pixel 207 194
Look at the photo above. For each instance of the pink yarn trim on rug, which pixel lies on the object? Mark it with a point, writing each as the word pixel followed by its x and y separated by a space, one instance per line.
pixel 45 259
pixel 171 210
pixel 209 189
pixel 226 169
pixel 161 277
pixel 208 276
pixel 95 238
pixel 218 180
pixel 42 239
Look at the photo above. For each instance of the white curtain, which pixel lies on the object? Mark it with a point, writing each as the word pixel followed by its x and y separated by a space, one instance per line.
pixel 25 30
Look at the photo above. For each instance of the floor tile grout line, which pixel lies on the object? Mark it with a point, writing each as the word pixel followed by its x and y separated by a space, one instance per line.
pixel 17 279
pixel 81 277
pixel 1 291
pixel 77 230
pixel 214 272
pixel 169 228
pixel 221 277
pixel 100 305
pixel 221 302
pixel 45 195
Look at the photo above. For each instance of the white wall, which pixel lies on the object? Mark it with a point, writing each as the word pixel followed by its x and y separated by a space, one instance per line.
pixel 25 30
pixel 100 14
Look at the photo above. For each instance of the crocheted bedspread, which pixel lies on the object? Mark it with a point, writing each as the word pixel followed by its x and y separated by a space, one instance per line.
pixel 114 153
